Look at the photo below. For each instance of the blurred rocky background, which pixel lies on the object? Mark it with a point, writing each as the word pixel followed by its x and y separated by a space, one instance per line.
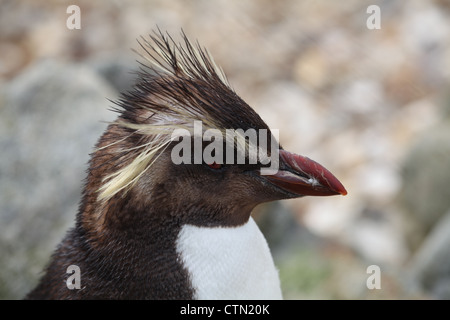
pixel 372 105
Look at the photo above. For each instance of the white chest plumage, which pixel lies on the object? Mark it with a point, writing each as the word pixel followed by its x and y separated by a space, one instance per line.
pixel 229 263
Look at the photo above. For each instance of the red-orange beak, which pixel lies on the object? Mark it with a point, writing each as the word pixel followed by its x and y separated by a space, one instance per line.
pixel 303 176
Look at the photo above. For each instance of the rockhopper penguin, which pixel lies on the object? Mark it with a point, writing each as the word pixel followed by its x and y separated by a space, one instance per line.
pixel 152 227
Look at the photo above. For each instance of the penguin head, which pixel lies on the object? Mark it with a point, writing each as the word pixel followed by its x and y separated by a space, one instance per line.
pixel 186 144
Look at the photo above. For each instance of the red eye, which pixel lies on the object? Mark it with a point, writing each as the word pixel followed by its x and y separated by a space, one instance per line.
pixel 215 165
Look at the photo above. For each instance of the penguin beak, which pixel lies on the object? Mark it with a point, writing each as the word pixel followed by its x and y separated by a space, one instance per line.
pixel 304 177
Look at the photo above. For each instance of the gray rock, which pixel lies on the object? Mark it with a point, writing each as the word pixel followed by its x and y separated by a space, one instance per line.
pixel 50 119
pixel 430 267
pixel 425 198
pixel 283 233
pixel 425 195
pixel 118 69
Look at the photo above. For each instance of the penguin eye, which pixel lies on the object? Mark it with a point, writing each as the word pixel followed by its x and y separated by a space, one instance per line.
pixel 215 166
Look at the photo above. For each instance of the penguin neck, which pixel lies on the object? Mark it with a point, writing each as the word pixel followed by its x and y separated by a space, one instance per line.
pixel 129 253
pixel 135 238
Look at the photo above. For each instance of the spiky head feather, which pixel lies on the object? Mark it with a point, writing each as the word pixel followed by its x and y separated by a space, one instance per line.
pixel 178 83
